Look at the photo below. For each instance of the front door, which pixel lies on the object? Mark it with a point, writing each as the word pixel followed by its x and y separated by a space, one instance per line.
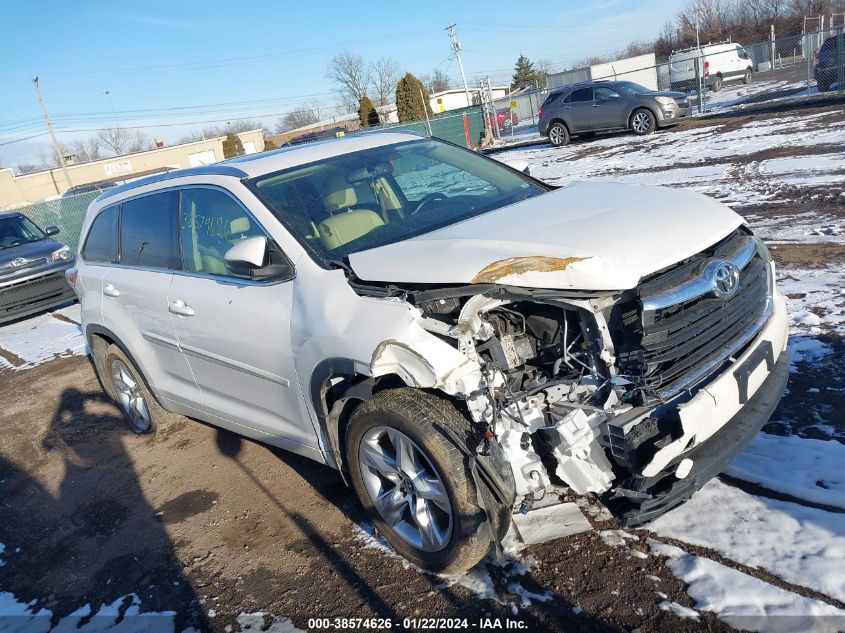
pixel 608 111
pixel 235 332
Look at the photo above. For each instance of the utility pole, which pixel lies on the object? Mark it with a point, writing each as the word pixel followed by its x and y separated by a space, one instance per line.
pixel 56 147
pixel 456 46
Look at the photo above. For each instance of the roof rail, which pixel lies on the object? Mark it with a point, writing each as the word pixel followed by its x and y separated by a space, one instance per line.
pixel 204 170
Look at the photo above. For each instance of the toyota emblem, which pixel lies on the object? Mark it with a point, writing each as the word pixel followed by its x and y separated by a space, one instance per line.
pixel 725 279
pixel 20 261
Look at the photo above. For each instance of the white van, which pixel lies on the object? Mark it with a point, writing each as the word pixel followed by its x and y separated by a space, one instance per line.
pixel 719 63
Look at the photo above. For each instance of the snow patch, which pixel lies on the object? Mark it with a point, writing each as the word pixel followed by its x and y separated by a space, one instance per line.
pixel 257 622
pixel 40 339
pixel 815 467
pixel 745 602
pixel 802 545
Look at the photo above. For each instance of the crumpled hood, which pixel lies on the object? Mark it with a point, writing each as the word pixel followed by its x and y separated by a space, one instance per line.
pixel 585 236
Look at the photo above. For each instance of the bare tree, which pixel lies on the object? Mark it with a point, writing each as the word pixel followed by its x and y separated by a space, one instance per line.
pixel 384 73
pixel 85 150
pixel 438 81
pixel 28 168
pixel 119 140
pixel 351 76
pixel 299 117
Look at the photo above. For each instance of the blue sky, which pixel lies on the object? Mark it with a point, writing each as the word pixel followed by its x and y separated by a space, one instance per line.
pixel 172 66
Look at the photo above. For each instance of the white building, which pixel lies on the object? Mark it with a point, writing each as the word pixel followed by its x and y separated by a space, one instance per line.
pixel 456 98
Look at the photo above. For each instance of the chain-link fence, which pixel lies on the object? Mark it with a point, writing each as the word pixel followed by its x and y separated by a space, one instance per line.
pixel 65 213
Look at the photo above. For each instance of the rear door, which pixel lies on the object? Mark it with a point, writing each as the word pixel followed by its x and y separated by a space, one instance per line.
pixel 580 104
pixel 98 254
pixel 608 109
pixel 134 295
pixel 235 332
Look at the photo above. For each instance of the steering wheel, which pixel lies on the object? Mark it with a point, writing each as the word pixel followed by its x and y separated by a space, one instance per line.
pixel 428 198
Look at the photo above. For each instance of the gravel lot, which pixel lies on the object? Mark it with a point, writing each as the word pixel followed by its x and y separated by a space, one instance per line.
pixel 201 528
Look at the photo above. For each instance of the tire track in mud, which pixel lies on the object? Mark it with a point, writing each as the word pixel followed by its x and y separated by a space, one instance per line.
pixel 754 572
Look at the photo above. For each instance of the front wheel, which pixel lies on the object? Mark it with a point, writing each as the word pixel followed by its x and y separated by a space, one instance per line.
pixel 415 484
pixel 642 122
pixel 746 78
pixel 558 134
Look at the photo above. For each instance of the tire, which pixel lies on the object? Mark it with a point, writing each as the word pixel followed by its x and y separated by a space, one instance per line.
pixel 716 84
pixel 643 121
pixel 127 387
pixel 823 87
pixel 558 134
pixel 746 78
pixel 394 451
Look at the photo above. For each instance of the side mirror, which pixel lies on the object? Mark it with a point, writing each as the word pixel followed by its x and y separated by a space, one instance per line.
pixel 247 257
pixel 249 253
pixel 51 231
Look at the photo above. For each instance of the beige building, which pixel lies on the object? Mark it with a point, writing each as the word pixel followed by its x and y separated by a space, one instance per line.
pixel 16 191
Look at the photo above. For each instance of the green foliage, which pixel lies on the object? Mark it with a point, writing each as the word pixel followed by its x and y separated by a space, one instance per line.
pixel 367 114
pixel 525 75
pixel 232 146
pixel 268 144
pixel 412 100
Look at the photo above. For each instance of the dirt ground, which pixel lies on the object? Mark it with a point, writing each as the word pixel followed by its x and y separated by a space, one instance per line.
pixel 204 523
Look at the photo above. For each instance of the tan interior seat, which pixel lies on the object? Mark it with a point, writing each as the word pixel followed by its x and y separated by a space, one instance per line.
pixel 345 227
pixel 344 223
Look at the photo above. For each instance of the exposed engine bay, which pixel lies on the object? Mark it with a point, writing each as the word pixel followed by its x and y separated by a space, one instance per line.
pixel 609 394
pixel 547 390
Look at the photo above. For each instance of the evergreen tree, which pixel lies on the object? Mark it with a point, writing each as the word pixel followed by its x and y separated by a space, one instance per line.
pixel 412 100
pixel 367 114
pixel 232 146
pixel 525 75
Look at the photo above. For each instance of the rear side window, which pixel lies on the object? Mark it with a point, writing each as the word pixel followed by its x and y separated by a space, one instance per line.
pixel 147 231
pixel 582 94
pixel 101 244
pixel 551 99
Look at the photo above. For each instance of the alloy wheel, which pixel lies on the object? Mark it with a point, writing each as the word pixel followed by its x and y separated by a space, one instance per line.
pixel 405 488
pixel 641 123
pixel 557 135
pixel 130 397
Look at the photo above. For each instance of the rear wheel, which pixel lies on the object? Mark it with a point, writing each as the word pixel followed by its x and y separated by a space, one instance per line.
pixel 415 484
pixel 558 134
pixel 642 121
pixel 716 83
pixel 125 384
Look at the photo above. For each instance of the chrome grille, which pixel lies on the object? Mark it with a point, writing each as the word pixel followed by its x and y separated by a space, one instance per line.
pixel 684 330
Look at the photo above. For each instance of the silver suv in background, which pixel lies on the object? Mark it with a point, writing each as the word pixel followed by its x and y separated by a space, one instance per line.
pixel 604 106
pixel 452 335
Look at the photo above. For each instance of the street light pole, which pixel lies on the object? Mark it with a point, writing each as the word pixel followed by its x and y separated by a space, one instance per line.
pixel 56 147
pixel 111 105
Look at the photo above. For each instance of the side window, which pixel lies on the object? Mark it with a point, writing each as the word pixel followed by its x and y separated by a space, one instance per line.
pixel 582 94
pixel 101 243
pixel 551 99
pixel 604 93
pixel 210 223
pixel 741 52
pixel 147 231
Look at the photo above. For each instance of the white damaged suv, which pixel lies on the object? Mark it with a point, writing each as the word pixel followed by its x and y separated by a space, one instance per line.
pixel 454 336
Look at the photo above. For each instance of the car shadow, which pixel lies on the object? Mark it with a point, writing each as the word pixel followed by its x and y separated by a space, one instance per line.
pixel 554 612
pixel 94 540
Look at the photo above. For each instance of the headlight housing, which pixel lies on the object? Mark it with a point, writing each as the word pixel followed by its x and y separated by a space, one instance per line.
pixel 665 100
pixel 62 254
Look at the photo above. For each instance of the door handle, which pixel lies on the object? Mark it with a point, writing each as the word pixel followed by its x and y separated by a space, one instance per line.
pixel 179 307
pixel 595 105
pixel 111 291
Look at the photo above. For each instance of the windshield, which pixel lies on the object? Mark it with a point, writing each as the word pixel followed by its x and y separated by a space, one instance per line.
pixel 365 199
pixel 17 230
pixel 630 88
